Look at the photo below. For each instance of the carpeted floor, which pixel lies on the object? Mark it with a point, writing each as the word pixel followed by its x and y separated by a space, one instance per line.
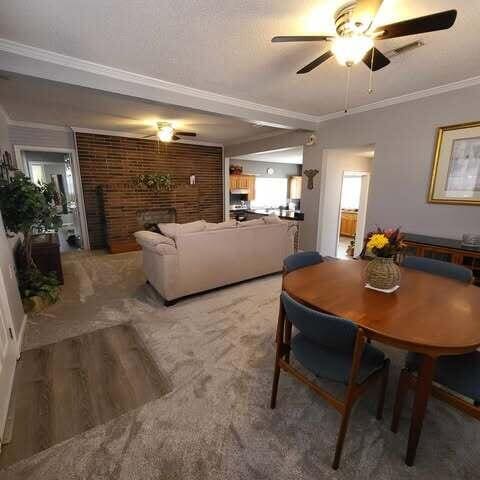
pixel 217 352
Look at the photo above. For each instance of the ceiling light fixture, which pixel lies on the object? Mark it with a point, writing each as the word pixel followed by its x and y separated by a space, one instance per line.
pixel 351 49
pixel 165 133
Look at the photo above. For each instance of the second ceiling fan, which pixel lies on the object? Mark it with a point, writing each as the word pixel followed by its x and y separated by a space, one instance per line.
pixel 167 133
pixel 354 41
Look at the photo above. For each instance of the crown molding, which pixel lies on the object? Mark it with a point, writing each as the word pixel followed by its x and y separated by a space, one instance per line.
pixel 44 126
pixel 124 75
pixel 63 68
pixel 408 97
pixel 260 136
pixel 114 133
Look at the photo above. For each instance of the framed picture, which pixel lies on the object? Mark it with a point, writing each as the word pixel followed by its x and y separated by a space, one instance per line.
pixel 456 165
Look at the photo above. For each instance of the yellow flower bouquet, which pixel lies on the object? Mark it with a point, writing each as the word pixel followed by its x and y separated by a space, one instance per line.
pixel 385 243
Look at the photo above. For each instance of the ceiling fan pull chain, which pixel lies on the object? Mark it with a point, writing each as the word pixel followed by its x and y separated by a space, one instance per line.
pixel 347 90
pixel 370 79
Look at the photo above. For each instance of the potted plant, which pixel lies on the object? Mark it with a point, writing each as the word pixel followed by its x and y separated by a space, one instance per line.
pixel 382 272
pixel 28 209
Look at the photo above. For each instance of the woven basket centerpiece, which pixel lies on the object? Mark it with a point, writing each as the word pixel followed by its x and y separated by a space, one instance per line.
pixel 383 273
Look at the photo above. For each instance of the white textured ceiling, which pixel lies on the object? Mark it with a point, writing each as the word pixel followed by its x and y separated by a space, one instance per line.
pixel 283 155
pixel 27 99
pixel 224 45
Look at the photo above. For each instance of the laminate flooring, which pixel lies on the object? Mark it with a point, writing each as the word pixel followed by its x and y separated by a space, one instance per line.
pixel 66 388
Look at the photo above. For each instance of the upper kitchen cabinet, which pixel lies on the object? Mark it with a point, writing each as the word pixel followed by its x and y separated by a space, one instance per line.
pixel 243 184
pixel 295 187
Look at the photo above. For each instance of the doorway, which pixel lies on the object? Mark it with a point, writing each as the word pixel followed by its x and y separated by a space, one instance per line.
pixel 337 164
pixel 58 166
pixel 352 214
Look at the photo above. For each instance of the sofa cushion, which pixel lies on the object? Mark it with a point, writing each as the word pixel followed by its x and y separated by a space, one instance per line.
pixel 222 225
pixel 152 238
pixel 272 218
pixel 173 230
pixel 251 223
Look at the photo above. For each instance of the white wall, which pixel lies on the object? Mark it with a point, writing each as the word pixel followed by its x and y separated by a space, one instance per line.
pixel 6 256
pixel 4 137
pixel 335 163
pixel 41 137
pixel 404 140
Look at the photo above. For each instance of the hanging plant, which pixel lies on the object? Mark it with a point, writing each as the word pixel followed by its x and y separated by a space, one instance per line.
pixel 154 181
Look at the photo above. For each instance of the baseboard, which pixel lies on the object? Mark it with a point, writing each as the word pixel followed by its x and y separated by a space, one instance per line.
pixel 21 335
pixel 123 246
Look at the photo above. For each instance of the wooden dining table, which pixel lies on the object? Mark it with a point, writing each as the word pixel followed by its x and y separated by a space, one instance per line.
pixel 428 314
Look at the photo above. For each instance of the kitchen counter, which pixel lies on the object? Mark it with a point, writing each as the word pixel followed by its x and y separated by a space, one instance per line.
pixel 283 214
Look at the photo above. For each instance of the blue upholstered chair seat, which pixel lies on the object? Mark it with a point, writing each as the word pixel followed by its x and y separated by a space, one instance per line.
pixel 334 364
pixel 460 373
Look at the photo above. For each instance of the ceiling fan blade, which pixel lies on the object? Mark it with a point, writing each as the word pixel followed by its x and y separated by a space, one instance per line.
pixel 301 38
pixel 428 23
pixel 150 136
pixel 365 12
pixel 186 134
pixel 175 138
pixel 379 59
pixel 318 61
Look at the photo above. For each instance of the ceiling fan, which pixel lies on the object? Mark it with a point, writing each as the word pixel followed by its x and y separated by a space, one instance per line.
pixel 167 133
pixel 355 35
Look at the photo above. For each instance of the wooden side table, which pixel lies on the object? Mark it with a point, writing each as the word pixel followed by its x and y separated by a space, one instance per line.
pixel 46 254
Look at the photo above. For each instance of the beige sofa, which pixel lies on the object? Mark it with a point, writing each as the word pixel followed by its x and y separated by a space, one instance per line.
pixel 219 254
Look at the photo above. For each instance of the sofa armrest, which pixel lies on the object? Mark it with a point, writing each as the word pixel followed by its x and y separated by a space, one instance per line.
pixel 155 242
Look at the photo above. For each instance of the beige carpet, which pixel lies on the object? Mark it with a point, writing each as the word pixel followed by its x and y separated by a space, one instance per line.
pixel 217 352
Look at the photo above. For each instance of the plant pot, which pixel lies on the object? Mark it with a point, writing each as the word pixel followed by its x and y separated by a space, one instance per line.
pixel 383 273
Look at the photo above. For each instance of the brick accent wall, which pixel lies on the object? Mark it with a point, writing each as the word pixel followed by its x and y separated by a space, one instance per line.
pixel 109 163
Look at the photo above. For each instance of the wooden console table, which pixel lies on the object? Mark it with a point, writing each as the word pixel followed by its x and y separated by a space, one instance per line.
pixel 444 249
pixel 46 254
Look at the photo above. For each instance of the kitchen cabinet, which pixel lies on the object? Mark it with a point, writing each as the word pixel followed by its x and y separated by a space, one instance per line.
pixel 243 182
pixel 295 188
pixel 348 223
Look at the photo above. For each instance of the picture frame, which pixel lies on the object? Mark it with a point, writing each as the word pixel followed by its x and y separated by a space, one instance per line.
pixel 455 178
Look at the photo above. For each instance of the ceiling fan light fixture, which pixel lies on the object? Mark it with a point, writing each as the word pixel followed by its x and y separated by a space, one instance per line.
pixel 351 49
pixel 165 133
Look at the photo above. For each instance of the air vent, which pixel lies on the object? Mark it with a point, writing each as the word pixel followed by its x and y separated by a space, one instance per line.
pixel 404 49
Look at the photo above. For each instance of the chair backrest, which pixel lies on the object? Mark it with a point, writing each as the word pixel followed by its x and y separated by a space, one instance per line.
pixel 329 331
pixel 300 260
pixel 438 267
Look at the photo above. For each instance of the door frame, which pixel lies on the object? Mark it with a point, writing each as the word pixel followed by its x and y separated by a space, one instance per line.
pixel 12 354
pixel 362 209
pixel 22 164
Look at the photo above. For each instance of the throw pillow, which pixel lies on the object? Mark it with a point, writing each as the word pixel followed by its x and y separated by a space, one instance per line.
pixel 272 218
pixel 222 225
pixel 173 230
pixel 251 223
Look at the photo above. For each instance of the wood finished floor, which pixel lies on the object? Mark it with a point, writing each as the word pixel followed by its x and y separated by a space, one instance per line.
pixel 68 387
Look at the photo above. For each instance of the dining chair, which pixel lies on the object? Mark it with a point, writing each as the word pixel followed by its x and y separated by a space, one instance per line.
pixel 438 267
pixel 294 262
pixel 331 348
pixel 301 260
pixel 460 374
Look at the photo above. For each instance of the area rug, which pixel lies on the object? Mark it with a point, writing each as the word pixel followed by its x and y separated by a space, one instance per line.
pixel 217 350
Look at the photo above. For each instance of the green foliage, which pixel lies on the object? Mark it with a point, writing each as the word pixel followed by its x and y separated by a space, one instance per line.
pixel 34 283
pixel 154 181
pixel 27 207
